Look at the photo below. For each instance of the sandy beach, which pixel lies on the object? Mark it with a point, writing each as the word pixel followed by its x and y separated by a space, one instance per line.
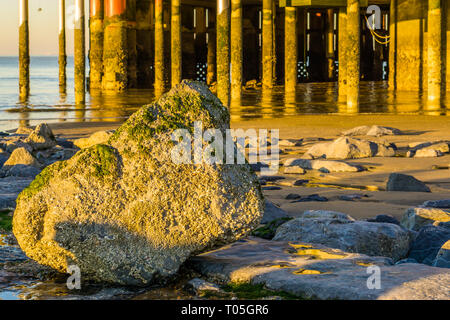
pixel 370 183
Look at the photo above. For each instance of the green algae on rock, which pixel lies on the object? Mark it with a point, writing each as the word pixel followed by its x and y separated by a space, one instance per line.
pixel 124 213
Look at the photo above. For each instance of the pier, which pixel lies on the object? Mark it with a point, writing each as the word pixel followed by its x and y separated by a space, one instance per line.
pixel 155 43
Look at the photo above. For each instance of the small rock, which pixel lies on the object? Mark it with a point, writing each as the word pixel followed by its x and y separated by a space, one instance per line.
pixel 442 204
pixel 374 130
pixel 298 183
pixel 271 188
pixel 293 196
pixel 21 163
pixel 378 131
pixel 416 218
pixel 271 178
pixel 41 138
pixel 428 153
pixel 199 286
pixel 443 257
pixel 294 170
pixel 98 137
pixel 272 212
pixel 330 165
pixel 290 142
pixel 384 218
pixel 324 214
pixel 256 167
pixel 403 182
pixel 427 244
pixel 22 156
pixel 312 197
pixel 351 197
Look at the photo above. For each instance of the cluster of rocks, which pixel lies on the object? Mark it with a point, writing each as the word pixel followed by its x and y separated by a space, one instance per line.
pixel 421 236
pixel 24 154
pixel 330 255
pixel 428 149
pixel 350 148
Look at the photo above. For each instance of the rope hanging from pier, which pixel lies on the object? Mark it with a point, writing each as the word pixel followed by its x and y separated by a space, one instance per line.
pixel 375 35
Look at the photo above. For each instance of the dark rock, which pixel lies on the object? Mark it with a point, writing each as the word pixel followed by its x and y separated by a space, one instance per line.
pixel 441 204
pixel 272 212
pixel 351 197
pixel 312 197
pixel 258 166
pixel 300 182
pixel 271 188
pixel 384 218
pixel 427 244
pixel 293 196
pixel 403 182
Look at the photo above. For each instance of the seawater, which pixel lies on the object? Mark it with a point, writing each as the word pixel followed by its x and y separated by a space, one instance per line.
pixel 47 104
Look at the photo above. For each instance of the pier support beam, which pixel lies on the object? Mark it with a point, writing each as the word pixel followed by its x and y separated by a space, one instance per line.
pixel 223 51
pixel 352 45
pixel 80 53
pixel 62 58
pixel 175 32
pixel 435 51
pixel 268 57
pixel 211 54
pixel 144 35
pixel 290 49
pixel 211 58
pixel 24 51
pixel 132 43
pixel 342 51
pixel 159 48
pixel 115 46
pixel 330 43
pixel 236 49
pixel 96 44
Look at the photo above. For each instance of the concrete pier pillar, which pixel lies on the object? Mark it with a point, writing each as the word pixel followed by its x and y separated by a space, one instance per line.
pixel 80 53
pixel 115 46
pixel 435 55
pixel 159 48
pixel 342 52
pixel 24 51
pixel 290 49
pixel 96 44
pixel 211 57
pixel 145 42
pixel 353 55
pixel 175 33
pixel 62 58
pixel 236 49
pixel 268 57
pixel 223 51
pixel 330 43
pixel 211 53
pixel 393 19
pixel 132 43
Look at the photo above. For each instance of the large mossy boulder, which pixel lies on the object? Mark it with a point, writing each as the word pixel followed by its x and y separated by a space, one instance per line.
pixel 124 212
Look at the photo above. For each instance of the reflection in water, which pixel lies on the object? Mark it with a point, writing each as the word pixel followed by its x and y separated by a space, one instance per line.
pixel 309 98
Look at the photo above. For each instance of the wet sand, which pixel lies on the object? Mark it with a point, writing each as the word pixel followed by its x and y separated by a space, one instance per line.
pixel 370 183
